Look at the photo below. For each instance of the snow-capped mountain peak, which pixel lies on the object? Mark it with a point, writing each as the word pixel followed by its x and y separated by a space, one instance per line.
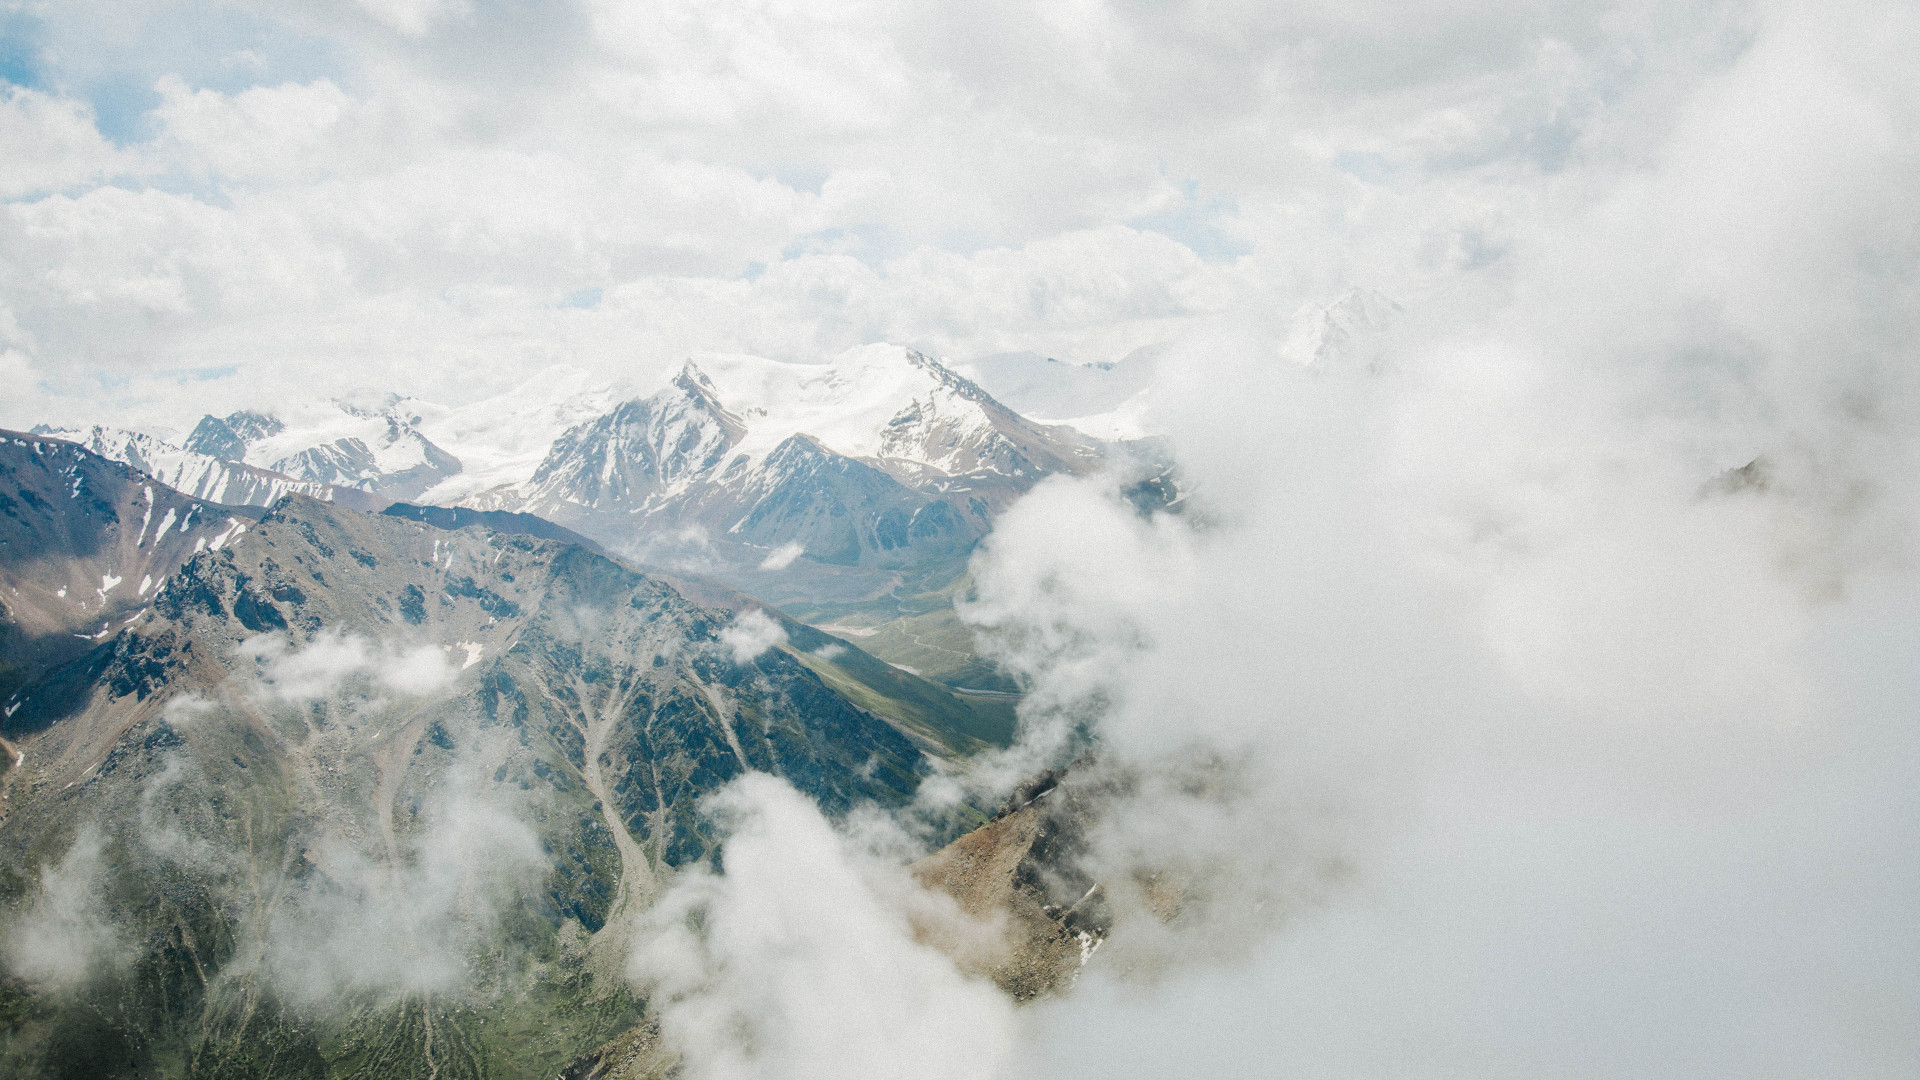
pixel 882 402
pixel 366 440
pixel 201 475
pixel 852 455
pixel 878 455
pixel 1337 334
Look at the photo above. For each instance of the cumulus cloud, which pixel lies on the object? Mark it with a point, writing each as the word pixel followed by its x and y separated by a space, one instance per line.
pixel 1509 698
pixel 435 180
pixel 1534 696
pixel 1540 703
pixel 55 142
pixel 752 633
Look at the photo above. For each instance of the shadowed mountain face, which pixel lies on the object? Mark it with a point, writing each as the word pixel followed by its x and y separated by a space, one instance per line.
pixel 84 545
pixel 356 795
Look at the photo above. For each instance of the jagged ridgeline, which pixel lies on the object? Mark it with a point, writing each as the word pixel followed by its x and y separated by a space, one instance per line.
pixel 354 795
pixel 850 493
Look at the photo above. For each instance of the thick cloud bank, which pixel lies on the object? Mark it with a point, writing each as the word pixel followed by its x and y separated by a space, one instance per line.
pixel 235 204
pixel 1561 658
pixel 1529 688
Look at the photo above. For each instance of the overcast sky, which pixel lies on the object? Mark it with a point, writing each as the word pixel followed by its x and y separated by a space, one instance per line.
pixel 210 204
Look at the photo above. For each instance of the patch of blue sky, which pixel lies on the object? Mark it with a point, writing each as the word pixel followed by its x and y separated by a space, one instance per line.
pixel 871 242
pixel 584 299
pixel 112 54
pixel 1365 167
pixel 803 178
pixel 183 376
pixel 1195 223
pixel 19 51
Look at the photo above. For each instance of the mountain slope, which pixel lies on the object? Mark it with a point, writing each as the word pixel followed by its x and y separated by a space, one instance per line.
pixel 201 475
pixel 850 491
pixel 368 441
pixel 364 794
pixel 86 544
pixel 881 458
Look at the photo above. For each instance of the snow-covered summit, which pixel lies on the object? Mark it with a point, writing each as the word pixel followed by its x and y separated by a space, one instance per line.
pixel 882 402
pixel 366 440
pixel 851 453
pixel 1338 334
pixel 501 441
pixel 202 476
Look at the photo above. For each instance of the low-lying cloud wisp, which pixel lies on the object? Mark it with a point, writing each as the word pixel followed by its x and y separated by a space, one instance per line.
pixel 63 935
pixel 290 672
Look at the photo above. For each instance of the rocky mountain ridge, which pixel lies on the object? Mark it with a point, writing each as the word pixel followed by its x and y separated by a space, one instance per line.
pixel 883 457
pixel 368 442
pixel 850 492
pixel 358 794
pixel 85 545
pixel 204 475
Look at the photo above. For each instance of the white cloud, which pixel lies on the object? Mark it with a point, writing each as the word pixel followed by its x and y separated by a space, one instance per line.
pixel 374 924
pixel 790 181
pixel 64 934
pixel 263 133
pixel 51 145
pixel 187 709
pixel 308 671
pixel 801 960
pixel 752 633
pixel 415 17
pixel 1542 751
pixel 419 671
pixel 1539 728
pixel 322 666
pixel 782 557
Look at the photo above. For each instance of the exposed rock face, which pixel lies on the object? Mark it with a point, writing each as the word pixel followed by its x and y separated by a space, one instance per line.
pixel 371 443
pixel 228 438
pixel 849 492
pixel 1021 870
pixel 636 1054
pixel 204 476
pixel 85 545
pixel 550 638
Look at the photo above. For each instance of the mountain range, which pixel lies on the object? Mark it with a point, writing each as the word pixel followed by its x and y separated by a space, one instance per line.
pixel 327 792
pixel 849 493
pixel 328 755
